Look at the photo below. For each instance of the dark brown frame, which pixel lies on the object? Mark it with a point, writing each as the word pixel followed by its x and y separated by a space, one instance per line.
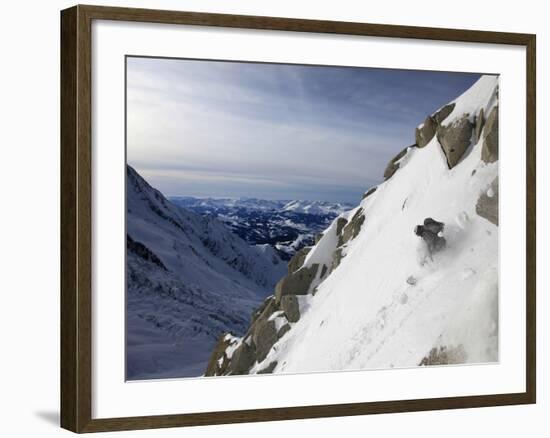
pixel 76 237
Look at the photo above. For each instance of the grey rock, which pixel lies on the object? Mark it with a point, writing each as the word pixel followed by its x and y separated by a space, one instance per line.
pixel 443 113
pixel 337 257
pixel 455 139
pixel 298 259
pixel 291 307
pixel 242 360
pixel 369 192
pixel 283 330
pixel 267 308
pixel 340 224
pixel 213 368
pixel 265 336
pixel 426 132
pixel 268 369
pixel 444 356
pixel 324 270
pixel 489 151
pixel 479 124
pixel 487 206
pixel 393 165
pixel 297 283
pixel 351 230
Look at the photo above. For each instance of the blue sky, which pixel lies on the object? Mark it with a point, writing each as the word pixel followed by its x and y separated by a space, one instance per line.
pixel 274 131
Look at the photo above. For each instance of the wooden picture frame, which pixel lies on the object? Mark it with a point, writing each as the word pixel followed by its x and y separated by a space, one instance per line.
pixel 76 218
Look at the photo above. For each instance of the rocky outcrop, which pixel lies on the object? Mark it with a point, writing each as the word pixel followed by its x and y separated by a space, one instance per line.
pixel 268 307
pixel 264 335
pixel 369 192
pixel 297 261
pixel 268 369
pixel 273 319
pixel 443 113
pixel 217 365
pixel 242 359
pixel 291 307
pixel 489 150
pixel 351 230
pixel 393 165
pixel 455 139
pixel 444 356
pixel 296 283
pixel 487 204
pixel 479 124
pixel 425 132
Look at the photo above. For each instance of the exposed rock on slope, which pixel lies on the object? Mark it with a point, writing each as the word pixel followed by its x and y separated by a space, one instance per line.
pixel 364 295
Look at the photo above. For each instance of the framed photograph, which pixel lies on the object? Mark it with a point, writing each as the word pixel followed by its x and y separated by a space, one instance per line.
pixel 269 218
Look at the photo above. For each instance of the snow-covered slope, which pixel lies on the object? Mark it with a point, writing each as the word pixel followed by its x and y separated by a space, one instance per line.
pixel 368 295
pixel 189 279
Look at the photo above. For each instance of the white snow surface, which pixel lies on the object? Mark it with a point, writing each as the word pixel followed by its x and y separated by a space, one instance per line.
pixel 365 314
pixel 482 95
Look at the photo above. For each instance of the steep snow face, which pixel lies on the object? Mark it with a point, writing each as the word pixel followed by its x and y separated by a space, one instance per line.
pixel 482 96
pixel 387 303
pixel 189 279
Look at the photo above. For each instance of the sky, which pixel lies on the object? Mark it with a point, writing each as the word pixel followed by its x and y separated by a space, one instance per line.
pixel 274 131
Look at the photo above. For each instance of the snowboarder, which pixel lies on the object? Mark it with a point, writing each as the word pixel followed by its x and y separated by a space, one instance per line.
pixel 432 233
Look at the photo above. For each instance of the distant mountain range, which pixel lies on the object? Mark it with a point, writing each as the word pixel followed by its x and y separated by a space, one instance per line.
pixel 286 225
pixel 189 279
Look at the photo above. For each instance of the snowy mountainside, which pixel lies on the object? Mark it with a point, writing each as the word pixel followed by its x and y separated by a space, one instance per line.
pixel 368 295
pixel 287 226
pixel 189 279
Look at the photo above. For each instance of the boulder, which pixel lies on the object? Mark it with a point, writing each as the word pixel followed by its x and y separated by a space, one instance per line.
pixel 242 359
pixel 489 150
pixel 267 308
pixel 444 356
pixel 337 257
pixel 297 283
pixel 455 139
pixel 268 369
pixel 369 192
pixel 265 335
pixel 340 224
pixel 218 362
pixel 291 307
pixel 393 165
pixel 443 113
pixel 351 230
pixel 324 270
pixel 487 204
pixel 298 259
pixel 425 132
pixel 479 124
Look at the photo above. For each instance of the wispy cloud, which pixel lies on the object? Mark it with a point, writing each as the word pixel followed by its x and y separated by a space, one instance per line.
pixel 271 130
